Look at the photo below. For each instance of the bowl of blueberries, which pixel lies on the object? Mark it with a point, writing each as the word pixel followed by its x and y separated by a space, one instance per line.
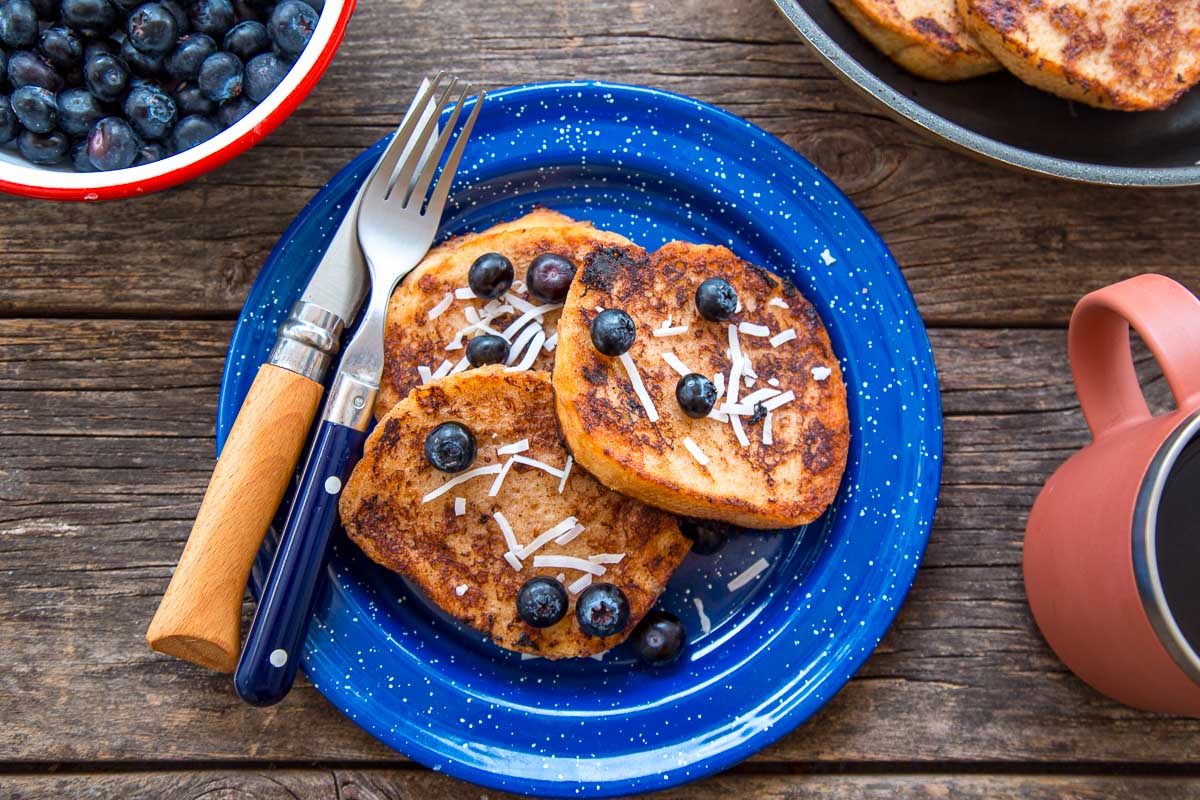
pixel 103 99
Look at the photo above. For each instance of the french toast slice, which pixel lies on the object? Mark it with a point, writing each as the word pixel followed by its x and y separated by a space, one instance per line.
pixel 391 508
pixel 752 469
pixel 926 37
pixel 1128 55
pixel 423 332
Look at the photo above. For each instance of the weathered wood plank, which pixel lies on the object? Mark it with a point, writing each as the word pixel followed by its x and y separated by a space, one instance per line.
pixel 419 784
pixel 978 244
pixel 106 457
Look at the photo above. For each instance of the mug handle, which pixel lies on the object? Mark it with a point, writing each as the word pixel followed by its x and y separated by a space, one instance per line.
pixel 1166 315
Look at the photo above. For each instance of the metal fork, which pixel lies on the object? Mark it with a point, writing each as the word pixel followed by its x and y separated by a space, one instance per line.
pixel 397 219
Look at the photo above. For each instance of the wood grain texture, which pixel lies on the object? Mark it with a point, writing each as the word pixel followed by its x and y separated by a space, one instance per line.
pixel 101 480
pixel 409 784
pixel 1020 251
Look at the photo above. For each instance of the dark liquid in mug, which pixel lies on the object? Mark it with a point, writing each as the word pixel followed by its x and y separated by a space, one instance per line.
pixel 1178 542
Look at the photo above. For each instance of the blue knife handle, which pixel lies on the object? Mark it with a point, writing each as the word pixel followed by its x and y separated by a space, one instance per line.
pixel 273 647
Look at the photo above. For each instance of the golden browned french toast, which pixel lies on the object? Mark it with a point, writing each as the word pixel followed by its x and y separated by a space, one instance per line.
pixel 926 37
pixel 430 322
pixel 471 539
pixel 773 458
pixel 1130 55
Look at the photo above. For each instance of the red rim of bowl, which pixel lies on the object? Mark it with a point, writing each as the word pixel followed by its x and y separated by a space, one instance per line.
pixel 201 162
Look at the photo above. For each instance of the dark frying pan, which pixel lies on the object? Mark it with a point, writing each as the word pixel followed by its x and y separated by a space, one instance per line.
pixel 1002 119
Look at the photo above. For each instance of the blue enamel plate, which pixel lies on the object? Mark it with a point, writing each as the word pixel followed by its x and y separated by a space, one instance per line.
pixel 762 658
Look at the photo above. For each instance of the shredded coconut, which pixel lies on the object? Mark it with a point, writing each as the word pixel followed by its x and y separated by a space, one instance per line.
pixel 773 382
pixel 523 320
pixel 464 293
pixel 738 431
pixel 750 329
pixel 518 287
pixel 778 303
pixel 531 353
pixel 821 373
pixel 705 622
pixel 461 589
pixel 551 342
pixel 424 373
pixel 510 538
pixel 695 450
pixel 522 339
pixel 638 387
pixel 568 562
pixel 566 473
pixel 443 370
pixel 778 400
pixel 460 506
pixel 441 307
pixel 546 536
pixel 461 366
pixel 513 561
pixel 674 363
pixel 766 433
pixel 519 303
pixel 606 558
pixel 757 395
pixel 495 490
pixel 752 572
pixel 675 331
pixel 515 447
pixel 580 584
pixel 490 469
pixel 570 535
pixel 542 465
pixel 783 336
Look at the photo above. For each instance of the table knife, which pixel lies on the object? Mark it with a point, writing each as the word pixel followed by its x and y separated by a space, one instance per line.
pixel 199 617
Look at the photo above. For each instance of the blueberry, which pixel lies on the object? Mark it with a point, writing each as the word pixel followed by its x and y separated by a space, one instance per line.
pixel 716 300
pixel 190 100
pixel 213 17
pixel 18 23
pixel 62 47
pixel 79 158
pixel 247 39
pixel 152 29
pixel 29 69
pixel 9 128
pixel 46 149
pixel 150 152
pixel 151 112
pixel 221 77
pixel 659 639
pixel 92 18
pixel 450 447
pixel 696 395
pixel 35 108
pixel 541 602
pixel 139 63
pixel 193 130
pixel 264 73
pixel 106 75
pixel 550 277
pixel 232 111
pixel 487 349
pixel 291 25
pixel 184 61
pixel 613 332
pixel 78 111
pixel 602 610
pixel 491 275
pixel 707 537
pixel 112 144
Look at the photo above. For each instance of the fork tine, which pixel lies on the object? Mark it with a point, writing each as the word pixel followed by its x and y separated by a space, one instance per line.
pixel 435 158
pixel 382 178
pixel 404 176
pixel 438 199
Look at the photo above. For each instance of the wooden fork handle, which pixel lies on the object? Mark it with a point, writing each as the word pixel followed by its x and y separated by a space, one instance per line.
pixel 199 618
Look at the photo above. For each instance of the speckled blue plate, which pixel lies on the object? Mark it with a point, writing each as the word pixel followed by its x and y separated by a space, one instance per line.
pixel 655 167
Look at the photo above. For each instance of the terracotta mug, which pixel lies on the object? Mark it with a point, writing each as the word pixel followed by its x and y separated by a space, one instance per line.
pixel 1113 586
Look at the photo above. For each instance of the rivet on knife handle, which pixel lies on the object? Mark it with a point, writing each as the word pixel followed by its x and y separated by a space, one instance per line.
pixel 199 618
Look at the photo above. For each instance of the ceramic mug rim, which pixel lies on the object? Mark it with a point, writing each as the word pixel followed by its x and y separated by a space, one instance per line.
pixel 1145 560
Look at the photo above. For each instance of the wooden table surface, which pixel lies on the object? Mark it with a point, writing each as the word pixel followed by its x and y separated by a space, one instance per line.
pixel 114 320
